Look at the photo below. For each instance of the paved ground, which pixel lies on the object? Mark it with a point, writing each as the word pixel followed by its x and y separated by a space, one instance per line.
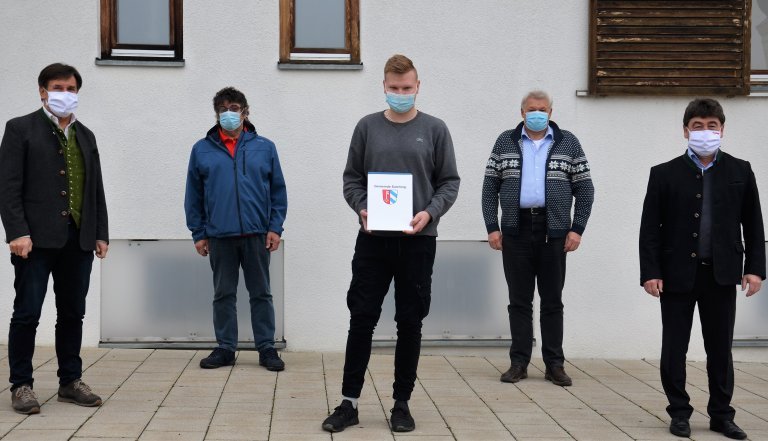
pixel 164 395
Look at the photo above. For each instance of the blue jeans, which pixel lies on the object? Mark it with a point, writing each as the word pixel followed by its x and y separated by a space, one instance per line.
pixel 71 270
pixel 227 255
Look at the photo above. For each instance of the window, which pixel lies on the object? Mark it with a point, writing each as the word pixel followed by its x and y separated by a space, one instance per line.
pixel 141 30
pixel 682 47
pixel 319 32
pixel 759 50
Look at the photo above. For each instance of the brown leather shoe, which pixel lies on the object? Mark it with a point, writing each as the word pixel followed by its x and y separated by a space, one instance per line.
pixel 514 374
pixel 557 375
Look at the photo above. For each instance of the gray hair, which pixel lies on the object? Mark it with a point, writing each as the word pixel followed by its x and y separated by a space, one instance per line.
pixel 538 95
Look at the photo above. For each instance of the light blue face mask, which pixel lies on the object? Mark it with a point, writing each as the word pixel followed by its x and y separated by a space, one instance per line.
pixel 536 120
pixel 229 120
pixel 400 103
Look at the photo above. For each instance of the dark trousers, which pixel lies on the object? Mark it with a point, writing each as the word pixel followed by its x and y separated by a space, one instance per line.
pixel 71 270
pixel 533 258
pixel 376 261
pixel 227 255
pixel 717 312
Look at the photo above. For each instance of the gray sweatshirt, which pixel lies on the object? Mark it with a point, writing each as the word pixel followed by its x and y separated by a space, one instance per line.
pixel 421 146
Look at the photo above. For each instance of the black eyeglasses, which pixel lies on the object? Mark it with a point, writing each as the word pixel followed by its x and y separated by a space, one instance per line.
pixel 232 108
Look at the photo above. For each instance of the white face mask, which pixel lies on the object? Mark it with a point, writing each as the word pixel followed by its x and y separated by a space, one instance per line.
pixel 704 142
pixel 62 104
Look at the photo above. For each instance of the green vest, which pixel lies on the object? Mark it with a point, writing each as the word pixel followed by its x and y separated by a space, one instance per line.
pixel 75 170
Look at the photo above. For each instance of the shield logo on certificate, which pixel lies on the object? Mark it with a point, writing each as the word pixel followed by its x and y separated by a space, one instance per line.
pixel 389 196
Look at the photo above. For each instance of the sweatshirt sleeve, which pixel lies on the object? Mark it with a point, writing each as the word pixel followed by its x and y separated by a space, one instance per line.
pixel 446 175
pixel 355 178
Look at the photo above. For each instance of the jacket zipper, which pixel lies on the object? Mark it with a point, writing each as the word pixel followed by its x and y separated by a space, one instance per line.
pixel 546 167
pixel 237 185
pixel 237 194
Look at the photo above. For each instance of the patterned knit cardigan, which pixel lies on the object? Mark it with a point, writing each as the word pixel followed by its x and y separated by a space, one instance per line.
pixel 568 177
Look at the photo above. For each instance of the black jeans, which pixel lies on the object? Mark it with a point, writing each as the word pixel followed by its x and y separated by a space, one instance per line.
pixel 532 258
pixel 71 270
pixel 376 261
pixel 717 312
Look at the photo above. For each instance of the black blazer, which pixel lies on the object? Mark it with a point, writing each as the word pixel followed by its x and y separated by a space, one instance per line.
pixel 670 223
pixel 33 184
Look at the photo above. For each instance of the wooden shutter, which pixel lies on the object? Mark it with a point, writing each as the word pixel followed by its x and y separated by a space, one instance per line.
pixel 675 47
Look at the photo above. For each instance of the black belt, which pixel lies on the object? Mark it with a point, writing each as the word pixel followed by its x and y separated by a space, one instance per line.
pixel 705 262
pixel 533 211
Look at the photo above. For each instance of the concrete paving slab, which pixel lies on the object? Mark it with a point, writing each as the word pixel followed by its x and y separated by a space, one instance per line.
pixel 164 395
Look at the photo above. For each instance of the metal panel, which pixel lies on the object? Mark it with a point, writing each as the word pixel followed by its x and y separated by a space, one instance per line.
pixel 469 298
pixel 159 293
pixel 751 327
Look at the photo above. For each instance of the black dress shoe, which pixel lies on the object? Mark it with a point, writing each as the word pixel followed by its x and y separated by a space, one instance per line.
pixel 680 427
pixel 514 374
pixel 557 375
pixel 727 428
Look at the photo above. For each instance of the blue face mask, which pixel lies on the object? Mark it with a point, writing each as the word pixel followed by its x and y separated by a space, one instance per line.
pixel 536 120
pixel 400 103
pixel 229 120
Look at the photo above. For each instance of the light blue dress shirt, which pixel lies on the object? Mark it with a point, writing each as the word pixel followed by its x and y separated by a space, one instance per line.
pixel 698 162
pixel 532 189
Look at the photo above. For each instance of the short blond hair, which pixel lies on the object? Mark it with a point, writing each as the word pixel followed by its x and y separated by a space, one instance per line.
pixel 399 64
pixel 537 95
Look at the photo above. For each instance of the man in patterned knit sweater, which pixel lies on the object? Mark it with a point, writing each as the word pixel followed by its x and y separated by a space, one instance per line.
pixel 535 172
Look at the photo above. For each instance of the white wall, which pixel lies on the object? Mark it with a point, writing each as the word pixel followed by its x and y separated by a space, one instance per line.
pixel 475 58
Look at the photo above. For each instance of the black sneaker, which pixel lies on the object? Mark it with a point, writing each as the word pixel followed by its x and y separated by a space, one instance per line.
pixel 218 358
pixel 342 417
pixel 269 359
pixel 401 420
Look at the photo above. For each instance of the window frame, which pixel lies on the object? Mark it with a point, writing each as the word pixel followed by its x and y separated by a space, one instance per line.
pixel 759 77
pixel 109 42
pixel 323 55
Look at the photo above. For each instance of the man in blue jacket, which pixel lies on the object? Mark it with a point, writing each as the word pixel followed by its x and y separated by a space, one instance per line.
pixel 235 205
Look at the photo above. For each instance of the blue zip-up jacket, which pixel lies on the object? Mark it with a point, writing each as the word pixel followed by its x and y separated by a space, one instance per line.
pixel 229 196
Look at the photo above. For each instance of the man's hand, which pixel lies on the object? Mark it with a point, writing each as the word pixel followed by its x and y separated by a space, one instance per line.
pixel 654 287
pixel 202 247
pixel 494 240
pixel 364 218
pixel 21 246
pixel 273 241
pixel 754 283
pixel 101 249
pixel 572 241
pixel 419 221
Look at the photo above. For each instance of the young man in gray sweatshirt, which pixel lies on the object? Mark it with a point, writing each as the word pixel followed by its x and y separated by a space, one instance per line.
pixel 397 140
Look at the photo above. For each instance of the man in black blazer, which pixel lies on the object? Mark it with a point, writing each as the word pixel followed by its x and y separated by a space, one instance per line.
pixel 691 251
pixel 54 212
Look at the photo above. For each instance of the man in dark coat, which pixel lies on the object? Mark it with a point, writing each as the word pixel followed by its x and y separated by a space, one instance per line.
pixel 692 252
pixel 54 213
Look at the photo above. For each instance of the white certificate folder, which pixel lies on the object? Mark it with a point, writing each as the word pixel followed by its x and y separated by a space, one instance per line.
pixel 390 201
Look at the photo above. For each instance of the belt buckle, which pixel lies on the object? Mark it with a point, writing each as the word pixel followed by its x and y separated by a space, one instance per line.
pixel 535 211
